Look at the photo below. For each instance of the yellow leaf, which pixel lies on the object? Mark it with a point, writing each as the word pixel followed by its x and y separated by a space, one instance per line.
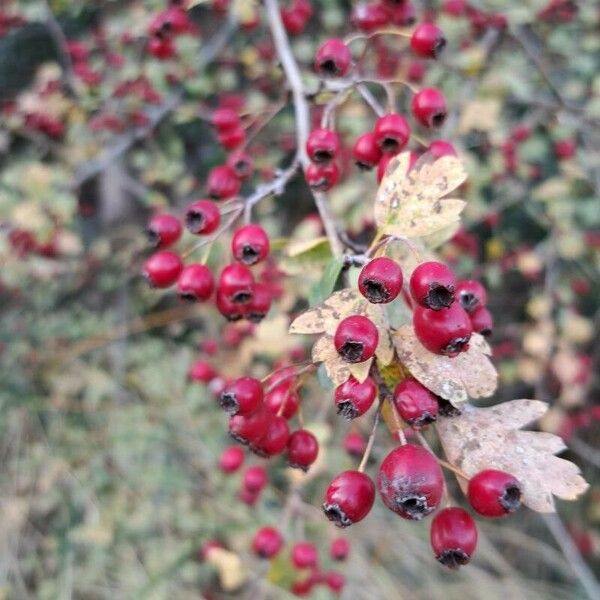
pixel 229 568
pixel 489 438
pixel 482 115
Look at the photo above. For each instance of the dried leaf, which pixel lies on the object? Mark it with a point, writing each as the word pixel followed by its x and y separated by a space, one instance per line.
pixel 470 374
pixel 411 203
pixel 484 438
pixel 229 568
pixel 360 371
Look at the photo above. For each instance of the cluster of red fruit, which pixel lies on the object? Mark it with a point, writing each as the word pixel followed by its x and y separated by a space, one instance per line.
pixel 238 294
pixel 164 27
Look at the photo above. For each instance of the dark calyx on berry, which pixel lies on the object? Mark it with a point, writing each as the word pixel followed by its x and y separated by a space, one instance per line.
pixel 376 291
pixel 352 351
pixel 454 558
pixel 511 498
pixel 439 297
pixel 347 409
pixel 250 254
pixel 469 301
pixel 229 403
pixel 194 220
pixel 446 409
pixel 457 345
pixel 336 515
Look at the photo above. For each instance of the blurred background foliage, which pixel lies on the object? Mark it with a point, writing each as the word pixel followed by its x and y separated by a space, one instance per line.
pixel 109 483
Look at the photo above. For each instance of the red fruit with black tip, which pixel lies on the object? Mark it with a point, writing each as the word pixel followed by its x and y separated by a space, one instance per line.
pixel 255 479
pixel 494 493
pixel 439 148
pixel 232 138
pixel 349 498
pixel 356 339
pixel 333 58
pixel 304 555
pixel 164 230
pixel 322 145
pixel 353 398
pixel 366 152
pixel 260 303
pixel 339 549
pixel 275 439
pixel 202 217
pixel 267 542
pixel 482 321
pixel 453 537
pixel 427 40
pixel 195 283
pixel 242 396
pixel 471 294
pixel 410 482
pixel 162 269
pixel 416 405
pixel 429 107
pixel 225 119
pixel 392 133
pixel 250 244
pixel 222 183
pixel 322 177
pixel 432 285
pixel 236 283
pixel 250 429
pixel 232 311
pixel 231 459
pixel 446 331
pixel 380 281
pixel 302 449
pixel 279 396
pixel 241 164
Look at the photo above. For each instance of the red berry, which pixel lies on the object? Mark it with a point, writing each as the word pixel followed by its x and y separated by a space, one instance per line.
pixel 236 283
pixel 241 164
pixel 162 269
pixel 164 230
pixel 247 497
pixel 255 479
pixel 195 283
pixel 356 339
pixel 432 285
pixel 231 459
pixel 260 303
pixel 366 152
pixel 354 399
pixel 416 405
pixel 335 581
pixel 250 244
pixel 161 48
pixel 402 13
pixel 267 542
pixel 445 331
pixel 322 145
pixel 225 119
pixel 494 493
pixel 339 549
pixel 482 321
pixel 281 395
pixel 439 148
pixel 427 40
pixel 410 482
pixel 302 588
pixel 333 58
pixel 453 537
pixel 250 429
pixel 222 183
pixel 302 449
pixel 380 280
pixel 565 149
pixel 304 555
pixel 429 107
pixel 322 177
pixel 232 138
pixel 275 439
pixel 355 444
pixel 392 133
pixel 242 396
pixel 202 216
pixel 471 294
pixel 232 311
pixel 369 16
pixel 202 372
pixel 349 498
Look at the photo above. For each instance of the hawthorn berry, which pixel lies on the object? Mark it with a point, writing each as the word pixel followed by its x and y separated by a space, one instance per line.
pixel 439 148
pixel 162 269
pixel 427 40
pixel 416 405
pixel 333 58
pixel 322 145
pixel 202 217
pixel 429 107
pixel 225 119
pixel 248 497
pixel 236 283
pixel 353 398
pixel 232 311
pixel 494 493
pixel 354 444
pixel 471 294
pixel 250 244
pixel 369 16
pixel 432 285
pixel 275 439
pixel 366 152
pixel 445 331
pixel 260 303
pixel 482 321
pixel 232 139
pixel 163 230
pixel 267 542
pixel 304 555
pixel 282 396
pixel 410 482
pixel 349 498
pixel 453 537
pixel 302 449
pixel 250 429
pixel 162 48
pixel 392 133
pixel 339 549
pixel 195 283
pixel 322 177
pixel 231 459
pixel 241 164
pixel 255 478
pixel 356 339
pixel 302 587
pixel 222 183
pixel 242 396
pixel 201 371
pixel 380 281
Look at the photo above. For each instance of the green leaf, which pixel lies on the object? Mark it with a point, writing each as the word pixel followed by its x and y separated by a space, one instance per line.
pixel 324 287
